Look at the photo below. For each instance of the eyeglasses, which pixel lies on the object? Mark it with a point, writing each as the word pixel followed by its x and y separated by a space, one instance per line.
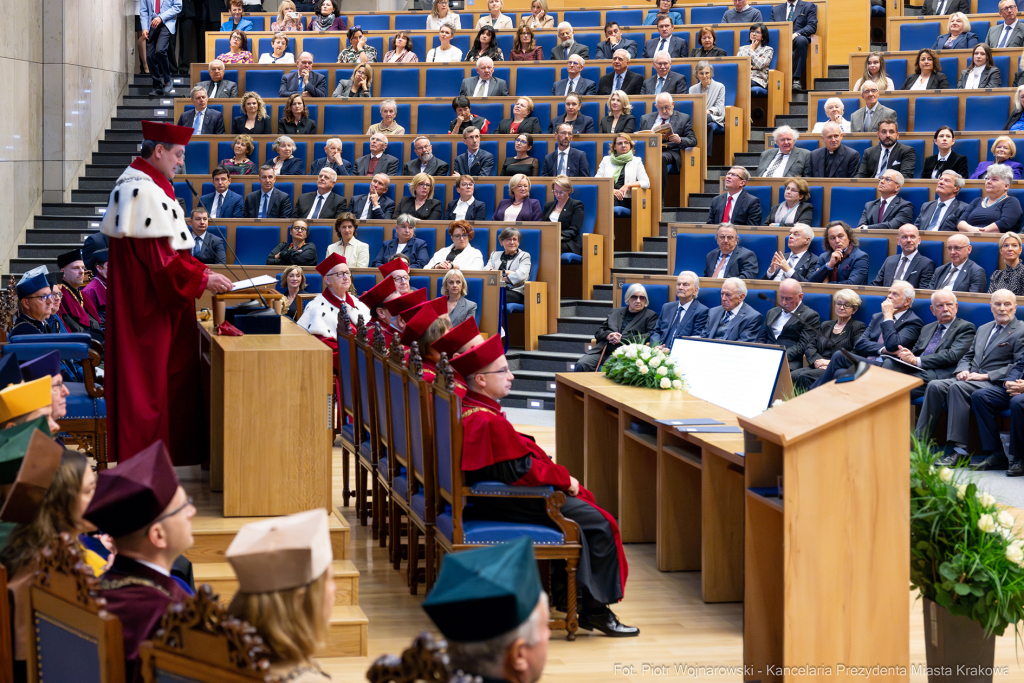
pixel 44 297
pixel 503 371
pixel 401 278
pixel 727 238
pixel 344 274
pixel 188 501
pixel 843 304
pixel 459 236
pixel 297 229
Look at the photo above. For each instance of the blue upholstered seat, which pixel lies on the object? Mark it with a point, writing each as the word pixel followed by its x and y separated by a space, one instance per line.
pixel 80 406
pixel 488 532
pixel 401 485
pixel 65 654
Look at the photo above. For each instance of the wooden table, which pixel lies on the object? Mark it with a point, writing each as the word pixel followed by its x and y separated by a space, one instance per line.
pixel 684 492
pixel 270 400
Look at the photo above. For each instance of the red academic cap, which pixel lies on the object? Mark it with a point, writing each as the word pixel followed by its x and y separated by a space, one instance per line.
pixel 457 337
pixel 328 263
pixel 416 325
pixel 166 132
pixel 375 296
pixel 391 266
pixel 135 493
pixel 479 357
pixel 408 300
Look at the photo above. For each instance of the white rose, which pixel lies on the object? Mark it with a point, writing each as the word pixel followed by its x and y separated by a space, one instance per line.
pixel 645 353
pixel 655 362
pixel 676 384
pixel 986 523
pixel 644 370
pixel 631 352
pixel 663 371
pixel 665 383
pixel 640 363
pixel 778 402
pixel 946 474
pixel 961 489
pixel 618 352
pixel 986 498
pixel 1005 519
pixel 1015 554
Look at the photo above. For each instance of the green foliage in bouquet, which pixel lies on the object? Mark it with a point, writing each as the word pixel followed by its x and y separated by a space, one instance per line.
pixel 637 364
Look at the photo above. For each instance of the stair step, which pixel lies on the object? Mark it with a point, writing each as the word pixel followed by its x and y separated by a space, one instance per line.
pixel 586 308
pixel 222 579
pixel 701 200
pixel 580 324
pixel 550 361
pixel 663 270
pixel 124 135
pixel 755 146
pixel 716 172
pixel 638 259
pixel 795 122
pixel 69 224
pixel 800 97
pixel 797 109
pixel 538 400
pixel 564 342
pixel 144 112
pixel 839 71
pixel 120 146
pixel 347 634
pixel 656 245
pixel 89 183
pixel 746 159
pixel 120 159
pixel 79 209
pixel 697 214
pixel 48 252
pixel 103 170
pixel 92 195
pixel 603 292
pixel 535 381
pixel 213 535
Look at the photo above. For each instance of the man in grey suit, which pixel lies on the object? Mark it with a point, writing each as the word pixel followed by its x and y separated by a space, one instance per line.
pixel 788 160
pixel 574 83
pixel 484 84
pixel 620 77
pixel 938 350
pixel 997 346
pixel 385 163
pixel 734 320
pixel 209 248
pixel 217 86
pixel 943 212
pixel 664 79
pixel 960 274
pixel 1011 32
pixel 865 119
pixel 424 161
pixel 684 317
pixel 567 46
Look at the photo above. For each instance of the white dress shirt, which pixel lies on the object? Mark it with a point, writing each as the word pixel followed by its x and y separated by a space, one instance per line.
pixel 461 208
pixel 780 322
pixel 571 85
pixel 322 201
pixel 219 199
pixel 974 78
pixel 940 209
pixel 481 87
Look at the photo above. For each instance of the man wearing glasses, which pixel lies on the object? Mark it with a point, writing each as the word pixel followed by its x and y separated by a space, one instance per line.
pixel 320 316
pixel 889 211
pixel 735 205
pixel 34 298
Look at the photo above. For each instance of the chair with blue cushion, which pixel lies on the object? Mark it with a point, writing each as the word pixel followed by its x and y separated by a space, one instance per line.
pixel 434 118
pixel 930 249
pixel 916 36
pixel 986 112
pixel 344 119
pixel 900 105
pixel 440 81
pixel 370 449
pixel 181 191
pixel 705 16
pixel 492 111
pixel 877 249
pixel 254 242
pixel 583 18
pixel 922 308
pixel 986 255
pixel 937 111
pixel 197 157
pixel 267 83
pixel 847 203
pixel 692 251
pixel 485 192
pixel 395 393
pixel 763 246
pixel 869 305
pixel 859 146
pixel 760 305
pixel 624 18
pixel 820 303
pixel 916 196
pixel 422 511
pixel 396 82
pixel 764 195
pixel 896 69
pixel 974 312
pixel 918 147
pixel 325 49
pixel 534 81
pixel 409 22
pixel 376 22
pixel 455 532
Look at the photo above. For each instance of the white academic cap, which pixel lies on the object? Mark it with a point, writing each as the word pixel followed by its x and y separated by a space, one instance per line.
pixel 281 553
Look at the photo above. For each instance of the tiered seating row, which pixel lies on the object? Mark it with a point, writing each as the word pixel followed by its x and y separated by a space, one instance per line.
pixel 899 65
pixel 914 33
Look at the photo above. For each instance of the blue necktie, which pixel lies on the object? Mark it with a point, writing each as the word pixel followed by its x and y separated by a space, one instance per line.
pixel 661 84
pixel 316 208
pixel 472 160
pixel 933 224
pixel 199 245
pixel 618 82
pixel 675 322
pixel 263 206
pixel 561 163
pixel 197 125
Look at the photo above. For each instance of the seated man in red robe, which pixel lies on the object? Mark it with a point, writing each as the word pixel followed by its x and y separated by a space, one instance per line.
pixel 403 303
pixel 96 291
pixel 320 316
pixel 374 299
pixel 142 506
pixel 426 327
pixel 398 269
pixel 77 312
pixel 492 450
pixel 458 339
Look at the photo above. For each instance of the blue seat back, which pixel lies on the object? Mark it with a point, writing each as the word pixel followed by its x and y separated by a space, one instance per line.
pixel 65 654
pixel 588 195
pixel 253 243
pixel 530 243
pixel 847 203
pixel 181 191
pixel 322 236
pixel 396 82
pixel 486 193
pixel 763 246
pixel 397 396
pixel 975 312
pixel 708 15
pixel 692 251
pixel 442 81
pixel 325 49
pixel 266 83
pixel 433 118
pixel 197 157
pixel 314 282
pixel 820 303
pixel 764 195
pixel 505 39
pixel 443 442
pixel 936 111
pixel 951 67
pixel 986 112
pixel 583 18
pixel 344 351
pixel 26 350
pixel 1006 68
pixel 877 249
pixel 377 22
pixel 364 395
pixel 932 250
pixel 972 150
pixel 896 69
pixel 657 295
pixel 922 308
pixel 344 119
pixel 916 196
pixel 546 42
pixel 916 36
pixel 380 386
pixel 415 429
pixel 900 105
pixel 492 111
pixel 859 146
pixel 533 81
pixel 410 22
pixel 624 17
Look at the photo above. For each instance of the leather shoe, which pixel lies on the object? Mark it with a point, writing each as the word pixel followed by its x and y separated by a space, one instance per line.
pixel 608 624
pixel 946 461
pixel 992 462
pixel 797 85
pixel 1016 469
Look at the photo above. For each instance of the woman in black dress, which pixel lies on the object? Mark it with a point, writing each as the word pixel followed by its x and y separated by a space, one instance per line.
pixel 254 119
pixel 296 119
pixel 421 204
pixel 298 252
pixel 619 119
pixel 522 162
pixel 521 120
pixel 842 333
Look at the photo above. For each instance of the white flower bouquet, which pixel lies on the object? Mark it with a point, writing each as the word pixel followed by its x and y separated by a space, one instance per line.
pixel 639 365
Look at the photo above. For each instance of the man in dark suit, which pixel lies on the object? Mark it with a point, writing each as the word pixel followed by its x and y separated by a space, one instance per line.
pixel 424 161
pixel 666 42
pixel 209 248
pixel 684 317
pixel 845 264
pixel 889 211
pixel 895 327
pixel 834 160
pixel 303 80
pixel 998 345
pixel 332 159
pixel 620 77
pixel 804 16
pixel 785 160
pixel 682 133
pixel 736 205
pixel 800 262
pixel 734 320
pixel 567 46
pixel 606 49
pixel 565 160
pixel 943 212
pixel 268 201
pixel 941 8
pixel 324 203
pixel 484 84
pixel 376 204
pixel 211 121
pixel 1009 33
pixel 960 274
pixel 988 405
pixel 377 161
pixel 730 259
pixel 574 82
pixel 664 79
pixel 911 265
pixel 474 161
pixel 791 324
pixel 222 202
pixel 888 153
pixel 217 86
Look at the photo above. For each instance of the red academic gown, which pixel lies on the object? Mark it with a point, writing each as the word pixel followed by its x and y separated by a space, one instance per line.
pixel 83 312
pixel 488 438
pixel 95 293
pixel 430 372
pixel 153 386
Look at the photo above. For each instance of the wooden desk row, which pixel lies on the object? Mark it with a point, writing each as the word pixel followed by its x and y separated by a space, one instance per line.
pixel 895 23
pixel 963 60
pixel 898 8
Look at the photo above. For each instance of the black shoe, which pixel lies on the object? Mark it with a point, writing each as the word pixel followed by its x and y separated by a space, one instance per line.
pixel 946 461
pixel 1016 469
pixel 797 85
pixel 996 461
pixel 607 623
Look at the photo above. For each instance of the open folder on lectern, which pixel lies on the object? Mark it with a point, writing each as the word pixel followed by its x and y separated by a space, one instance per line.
pixel 737 376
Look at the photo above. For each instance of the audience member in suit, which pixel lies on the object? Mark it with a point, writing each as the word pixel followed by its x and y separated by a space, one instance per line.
pixel 866 119
pixel 520 206
pixel 785 160
pixel 684 317
pixel 1011 275
pixel 521 119
pixel 620 77
pixel 405 237
pixel 939 8
pixel 303 80
pixel 474 161
pixel 466 207
pixel 217 87
pixel 385 163
pixel 997 346
pixel 943 212
pixel 1009 33
pixel 567 46
pixel 983 72
pixel 889 211
pixel 575 82
pixel 804 17
pixel 565 160
pixel 734 320
pixel 735 205
pixel 460 307
pixel 332 159
pixel 889 153
pixel 284 163
pixel 997 210
pixel 619 119
pixel 1003 150
pixel 296 120
pixel 927 75
pixel 298 252
pixel 581 123
pixel 209 248
pixel 376 204
pixel 664 79
pixel 800 262
pixel 635 319
pixel 960 274
pixel 421 204
pixel 910 266
pixel 324 203
pixel 845 264
pixel 212 122
pixel 1016 82
pixel 945 159
pixel 834 160
pixel 355 251
pixel 795 207
pixel 268 201
pixel 485 81
pixel 424 160
pixel 895 327
pixel 568 213
pixel 158 30
pixel 988 405
pixel 607 48
pixel 835 335
pixel 781 329
pixel 515 264
pixel 682 134
pixel 676 46
pixel 730 259
pixel 958 35
pixel 222 202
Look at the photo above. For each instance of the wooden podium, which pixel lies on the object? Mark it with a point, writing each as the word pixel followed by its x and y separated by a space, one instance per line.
pixel 827 566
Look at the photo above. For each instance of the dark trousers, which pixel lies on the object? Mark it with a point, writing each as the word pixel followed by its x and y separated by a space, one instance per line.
pixel 987 404
pixel 156 54
pixel 800 45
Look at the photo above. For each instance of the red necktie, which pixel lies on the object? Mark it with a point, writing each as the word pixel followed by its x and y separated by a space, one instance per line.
pixel 728 210
pixel 158 6
pixel 881 211
pixel 372 167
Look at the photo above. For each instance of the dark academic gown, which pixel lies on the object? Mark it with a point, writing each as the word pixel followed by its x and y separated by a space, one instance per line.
pixel 79 314
pixel 153 386
pixel 492 450
pixel 95 293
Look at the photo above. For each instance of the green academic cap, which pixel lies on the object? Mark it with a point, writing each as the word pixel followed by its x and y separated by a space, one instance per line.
pixel 481 594
pixel 29 458
pixel 14 444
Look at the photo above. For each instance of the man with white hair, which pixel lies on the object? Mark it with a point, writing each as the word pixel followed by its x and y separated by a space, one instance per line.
pixel 788 160
pixel 909 265
pixel 684 317
pixel 217 86
pixel 680 136
pixel 664 79
pixel 567 46
pixel 867 118
pixel 378 160
pixel 303 80
pixel 484 84
pixel 202 120
pixel 800 262
pixel 574 82
pixel 620 77
pixel 834 159
pixel 332 159
pixel 889 211
pixel 634 319
pixel 734 320
pixel 324 203
pixel 943 212
pixel 791 324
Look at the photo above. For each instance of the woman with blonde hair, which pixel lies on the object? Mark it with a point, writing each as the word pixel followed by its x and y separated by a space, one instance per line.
pixel 538 17
pixel 1003 150
pixel 240 164
pixel 874 70
pixel 619 119
pixel 519 206
pixel 293 283
pixel 958 34
pixel 288 18
pixel 455 288
pixel 440 14
pixel 495 19
pixel 254 119
pixel 1011 275
pixel 359 85
pixel 421 204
